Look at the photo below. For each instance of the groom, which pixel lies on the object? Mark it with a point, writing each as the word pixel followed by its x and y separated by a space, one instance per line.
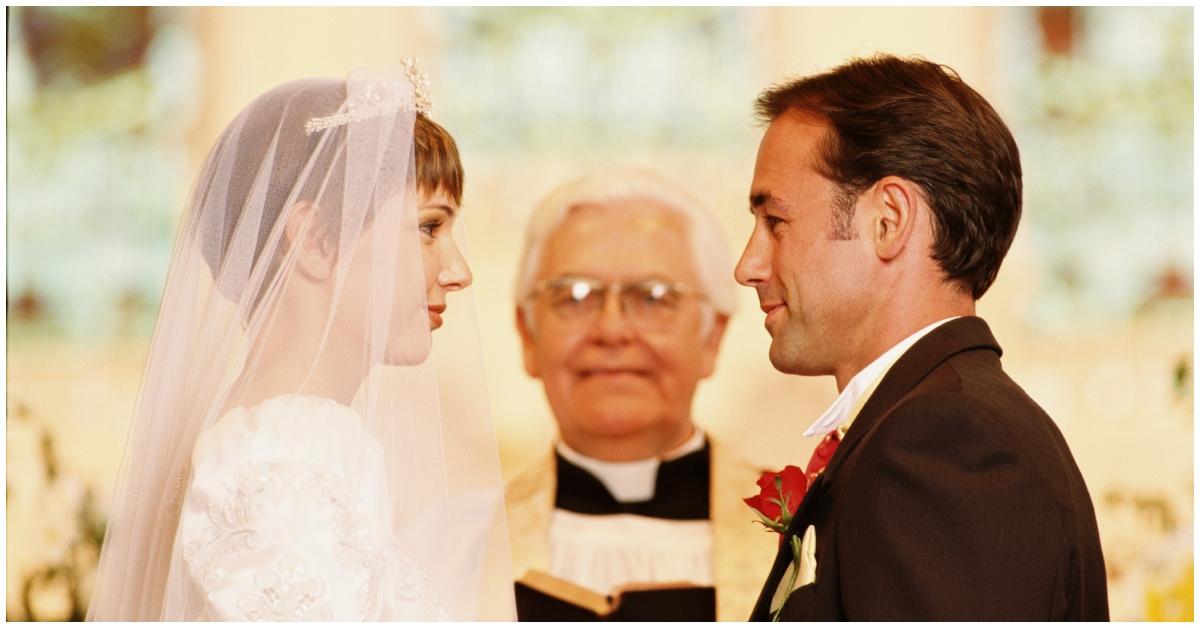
pixel 885 195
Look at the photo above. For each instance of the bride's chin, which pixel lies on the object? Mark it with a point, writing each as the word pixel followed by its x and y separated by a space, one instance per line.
pixel 410 351
pixel 435 321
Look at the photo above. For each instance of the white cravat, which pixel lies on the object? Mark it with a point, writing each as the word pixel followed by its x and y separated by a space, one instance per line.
pixel 839 411
pixel 630 481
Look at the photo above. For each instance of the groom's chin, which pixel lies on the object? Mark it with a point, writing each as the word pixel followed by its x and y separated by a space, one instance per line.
pixel 785 359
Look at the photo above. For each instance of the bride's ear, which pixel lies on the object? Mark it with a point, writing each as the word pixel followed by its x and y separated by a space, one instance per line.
pixel 315 257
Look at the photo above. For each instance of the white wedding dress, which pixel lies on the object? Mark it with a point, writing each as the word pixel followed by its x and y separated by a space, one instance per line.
pixel 299 266
pixel 288 517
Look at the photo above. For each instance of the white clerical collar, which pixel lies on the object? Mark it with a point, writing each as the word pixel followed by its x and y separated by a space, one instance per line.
pixel 839 412
pixel 630 481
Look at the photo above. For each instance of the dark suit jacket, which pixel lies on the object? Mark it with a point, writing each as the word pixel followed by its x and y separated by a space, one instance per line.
pixel 952 496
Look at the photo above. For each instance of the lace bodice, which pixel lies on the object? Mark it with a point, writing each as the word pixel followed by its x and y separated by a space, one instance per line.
pixel 288 517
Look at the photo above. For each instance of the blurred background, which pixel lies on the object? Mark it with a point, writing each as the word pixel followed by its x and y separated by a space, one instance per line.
pixel 110 112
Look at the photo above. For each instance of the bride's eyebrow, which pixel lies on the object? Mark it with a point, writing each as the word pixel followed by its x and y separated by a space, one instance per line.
pixel 446 208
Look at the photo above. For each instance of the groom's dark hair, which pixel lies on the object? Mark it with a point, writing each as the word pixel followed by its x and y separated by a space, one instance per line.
pixel 917 120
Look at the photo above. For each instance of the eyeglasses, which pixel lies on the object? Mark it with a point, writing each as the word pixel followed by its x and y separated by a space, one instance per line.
pixel 651 303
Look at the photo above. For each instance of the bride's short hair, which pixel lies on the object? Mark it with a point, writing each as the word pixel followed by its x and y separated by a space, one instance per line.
pixel 709 247
pixel 437 162
pixel 272 130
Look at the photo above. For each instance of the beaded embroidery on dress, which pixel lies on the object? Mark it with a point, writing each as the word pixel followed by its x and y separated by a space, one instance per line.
pixel 287 518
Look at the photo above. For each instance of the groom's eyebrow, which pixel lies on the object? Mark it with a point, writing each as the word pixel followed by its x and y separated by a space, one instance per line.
pixel 766 200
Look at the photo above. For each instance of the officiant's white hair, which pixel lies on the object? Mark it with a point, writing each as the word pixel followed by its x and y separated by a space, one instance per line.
pixel 710 250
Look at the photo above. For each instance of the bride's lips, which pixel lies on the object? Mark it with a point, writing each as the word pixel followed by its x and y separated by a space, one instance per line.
pixel 435 315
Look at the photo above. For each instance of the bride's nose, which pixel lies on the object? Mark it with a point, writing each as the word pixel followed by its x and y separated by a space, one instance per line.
pixel 455 274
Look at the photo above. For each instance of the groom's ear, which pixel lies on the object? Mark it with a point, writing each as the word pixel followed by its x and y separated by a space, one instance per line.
pixel 524 328
pixel 892 205
pixel 315 257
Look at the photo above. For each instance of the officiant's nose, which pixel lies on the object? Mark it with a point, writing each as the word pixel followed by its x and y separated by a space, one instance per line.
pixel 612 325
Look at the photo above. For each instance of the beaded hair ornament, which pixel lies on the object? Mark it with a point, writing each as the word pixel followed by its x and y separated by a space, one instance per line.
pixel 378 99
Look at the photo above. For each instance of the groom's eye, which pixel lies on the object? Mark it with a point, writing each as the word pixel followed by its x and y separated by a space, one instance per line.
pixel 773 221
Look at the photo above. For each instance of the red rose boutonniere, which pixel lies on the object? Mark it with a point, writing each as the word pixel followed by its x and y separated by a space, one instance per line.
pixel 779 496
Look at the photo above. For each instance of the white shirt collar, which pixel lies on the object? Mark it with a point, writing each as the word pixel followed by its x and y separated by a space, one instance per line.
pixel 839 412
pixel 630 481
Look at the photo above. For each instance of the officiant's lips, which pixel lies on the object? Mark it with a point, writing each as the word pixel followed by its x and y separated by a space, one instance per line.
pixel 435 315
pixel 614 372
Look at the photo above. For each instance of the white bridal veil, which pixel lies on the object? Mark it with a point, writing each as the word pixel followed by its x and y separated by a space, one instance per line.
pixel 297 274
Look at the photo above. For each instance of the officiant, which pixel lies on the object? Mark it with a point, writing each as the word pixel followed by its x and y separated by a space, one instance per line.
pixel 623 295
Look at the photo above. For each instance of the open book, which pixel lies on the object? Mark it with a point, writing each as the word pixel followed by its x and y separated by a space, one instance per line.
pixel 543 597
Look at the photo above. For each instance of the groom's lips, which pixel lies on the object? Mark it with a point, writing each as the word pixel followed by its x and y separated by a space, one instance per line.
pixel 771 309
pixel 768 307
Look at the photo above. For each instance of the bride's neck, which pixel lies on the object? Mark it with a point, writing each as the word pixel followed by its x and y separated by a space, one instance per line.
pixel 297 355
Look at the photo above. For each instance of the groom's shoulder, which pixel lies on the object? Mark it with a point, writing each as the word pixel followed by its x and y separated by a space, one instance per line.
pixel 973 386
pixel 970 405
pixel 996 397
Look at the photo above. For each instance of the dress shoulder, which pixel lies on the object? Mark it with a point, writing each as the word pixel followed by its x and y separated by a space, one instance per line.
pixel 288 426
pixel 288 516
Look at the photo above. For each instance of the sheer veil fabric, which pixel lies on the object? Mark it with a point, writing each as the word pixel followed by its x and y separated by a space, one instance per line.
pixel 294 389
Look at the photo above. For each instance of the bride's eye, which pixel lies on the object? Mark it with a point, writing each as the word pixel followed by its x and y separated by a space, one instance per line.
pixel 429 227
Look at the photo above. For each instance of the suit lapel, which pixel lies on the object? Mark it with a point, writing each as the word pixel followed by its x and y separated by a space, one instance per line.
pixel 961 334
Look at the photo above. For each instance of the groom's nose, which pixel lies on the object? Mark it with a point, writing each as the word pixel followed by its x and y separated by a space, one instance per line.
pixel 754 267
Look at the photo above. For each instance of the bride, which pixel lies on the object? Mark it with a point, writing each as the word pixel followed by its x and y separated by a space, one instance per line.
pixel 298 451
